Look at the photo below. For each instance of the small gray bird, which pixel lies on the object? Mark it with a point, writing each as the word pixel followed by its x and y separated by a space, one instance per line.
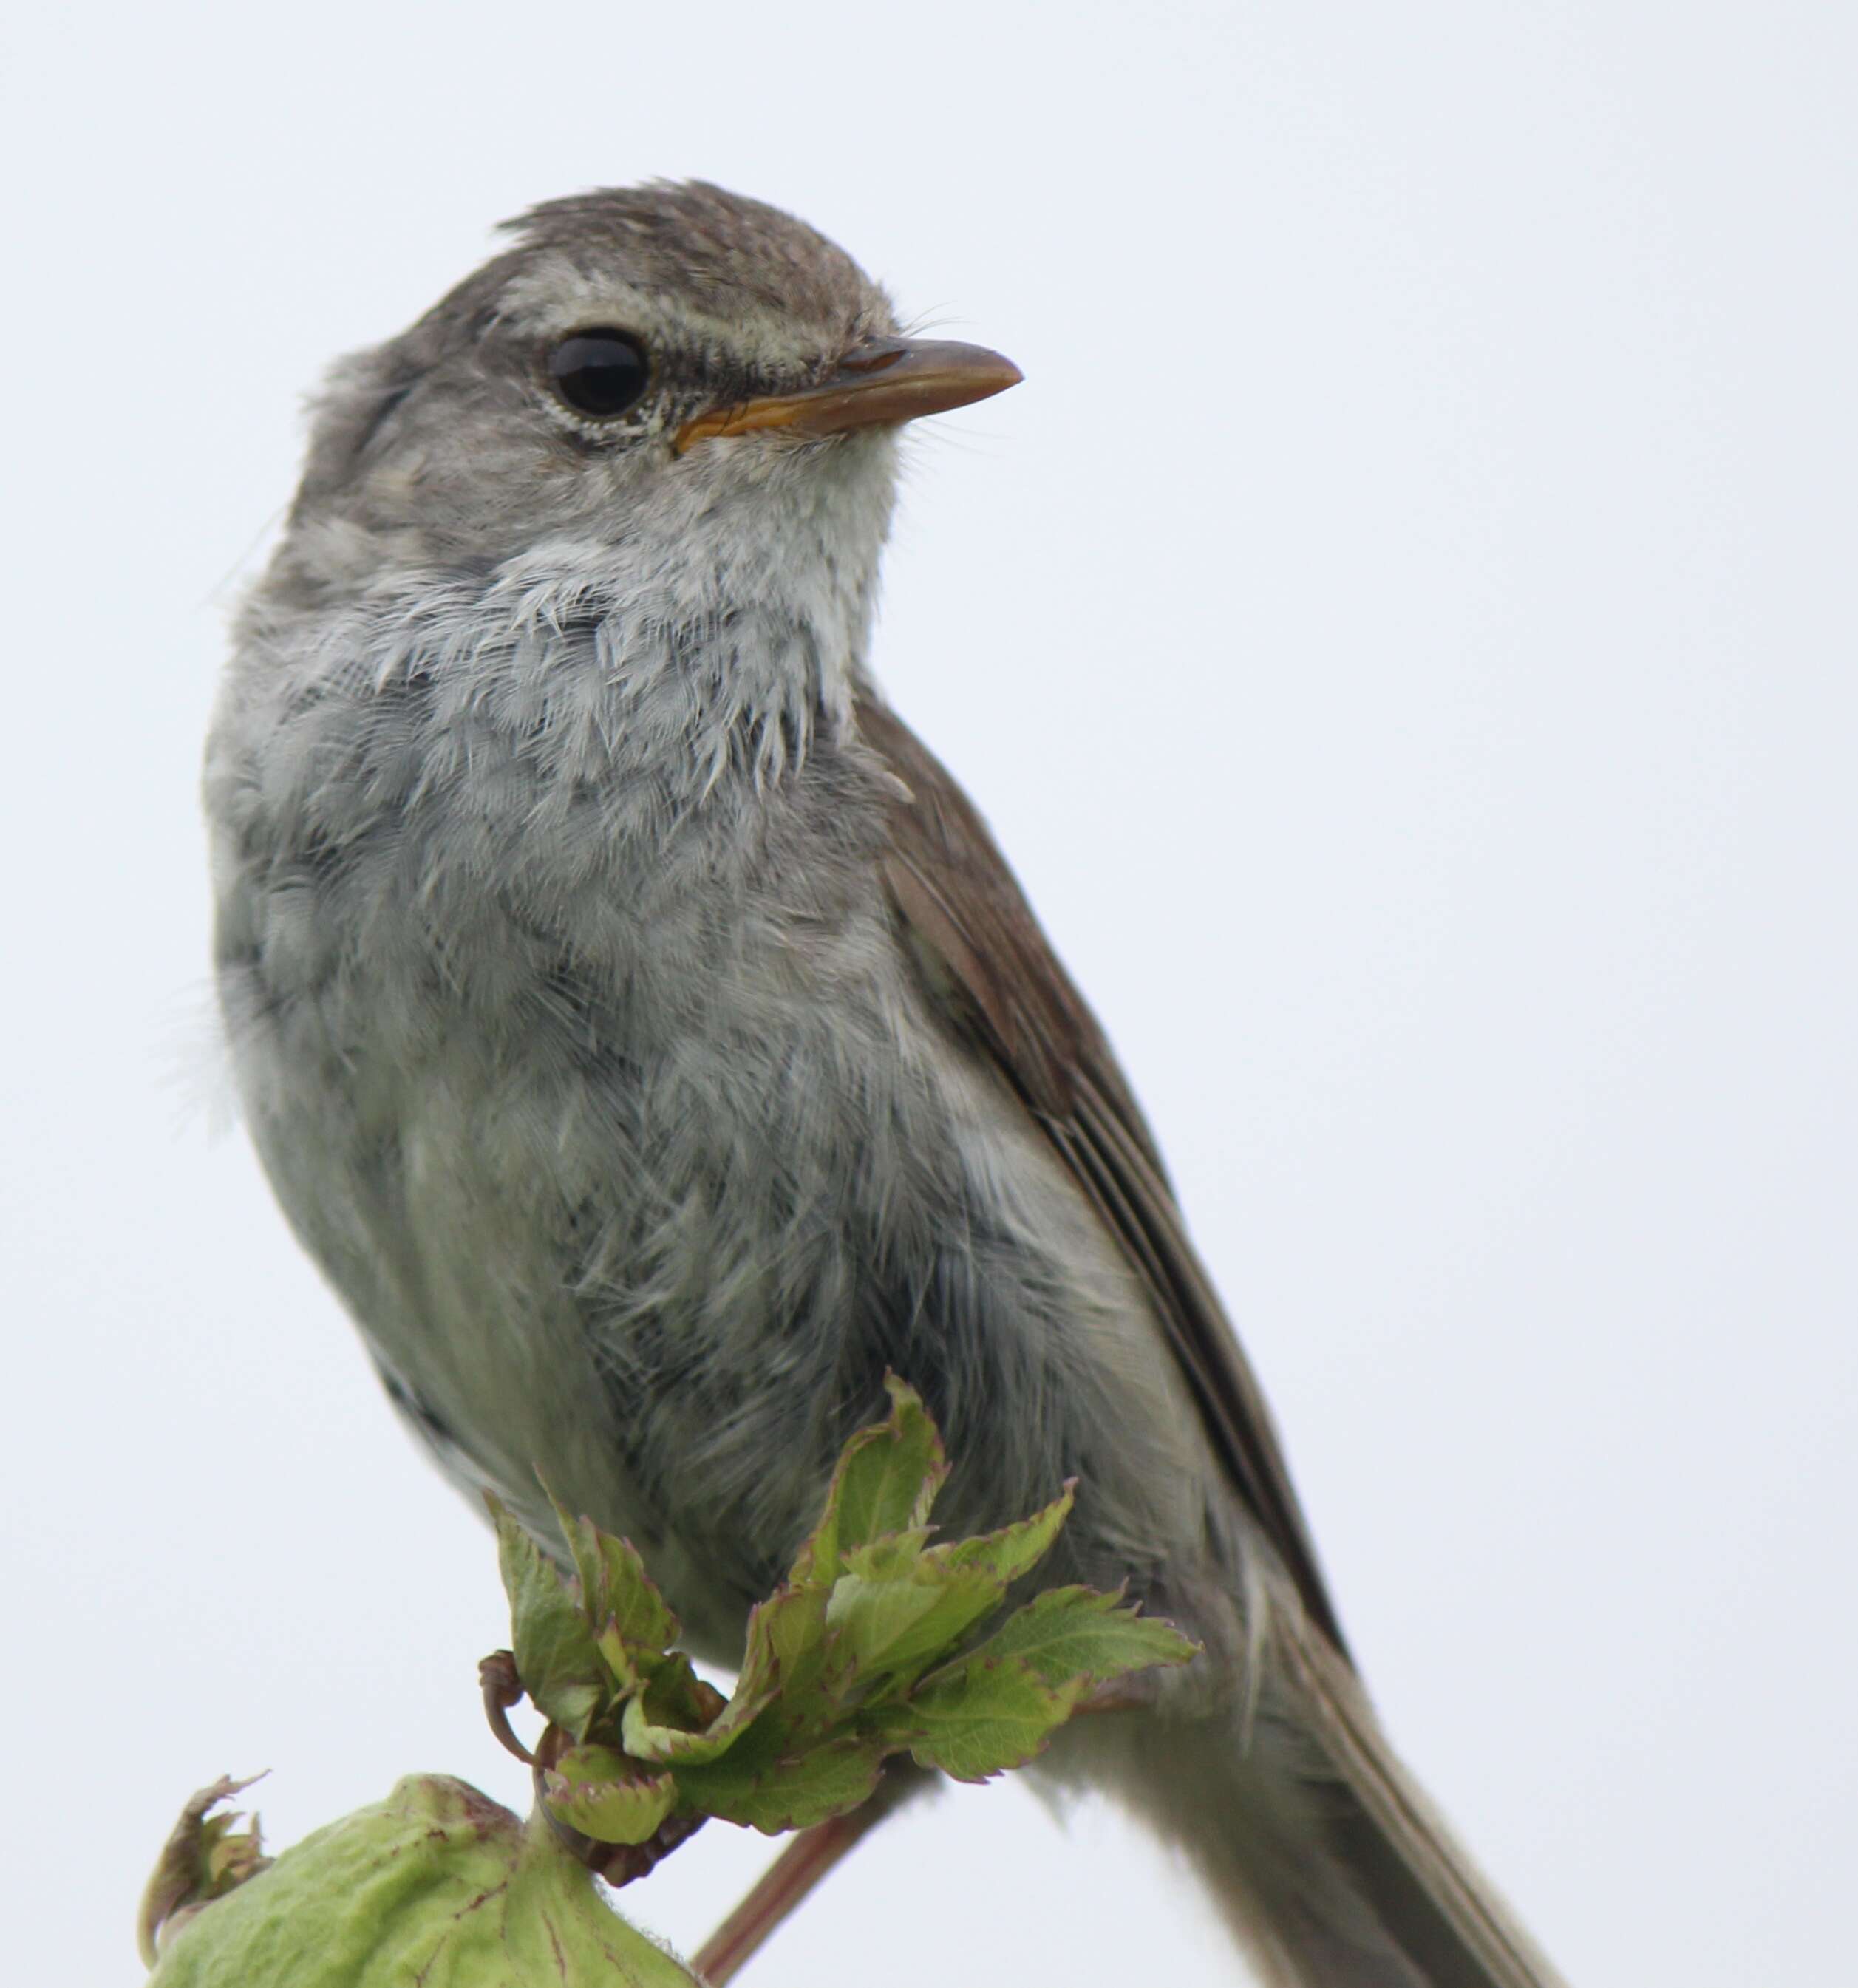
pixel 643 1034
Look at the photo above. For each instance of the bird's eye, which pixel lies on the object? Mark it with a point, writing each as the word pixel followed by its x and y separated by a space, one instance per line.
pixel 599 372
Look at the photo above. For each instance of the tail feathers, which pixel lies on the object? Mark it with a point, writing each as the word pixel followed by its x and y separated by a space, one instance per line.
pixel 1331 1867
pixel 1401 1856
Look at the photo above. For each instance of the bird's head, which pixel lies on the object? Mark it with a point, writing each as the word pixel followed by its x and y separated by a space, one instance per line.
pixel 690 385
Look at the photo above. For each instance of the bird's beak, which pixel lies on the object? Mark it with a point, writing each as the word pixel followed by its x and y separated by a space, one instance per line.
pixel 884 380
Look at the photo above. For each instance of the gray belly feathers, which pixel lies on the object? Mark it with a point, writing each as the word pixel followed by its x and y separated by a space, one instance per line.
pixel 623 1182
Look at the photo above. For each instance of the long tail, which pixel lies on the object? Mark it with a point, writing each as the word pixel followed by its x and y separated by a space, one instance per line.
pixel 1331 1867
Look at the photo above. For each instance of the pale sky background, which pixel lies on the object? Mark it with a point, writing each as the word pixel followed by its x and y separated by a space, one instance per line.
pixel 1404 632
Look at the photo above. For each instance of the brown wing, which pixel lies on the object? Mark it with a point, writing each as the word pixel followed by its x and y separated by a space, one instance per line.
pixel 984 956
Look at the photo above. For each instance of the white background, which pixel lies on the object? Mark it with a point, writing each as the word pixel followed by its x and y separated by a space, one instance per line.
pixel 1404 631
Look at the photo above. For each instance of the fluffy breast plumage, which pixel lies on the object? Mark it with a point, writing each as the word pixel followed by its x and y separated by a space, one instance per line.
pixel 631 1141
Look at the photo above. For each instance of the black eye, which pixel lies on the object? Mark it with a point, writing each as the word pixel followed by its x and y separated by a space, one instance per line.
pixel 600 372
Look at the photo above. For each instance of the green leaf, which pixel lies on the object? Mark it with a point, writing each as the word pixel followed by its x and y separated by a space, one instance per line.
pixel 1075 1634
pixel 437 1884
pixel 614 1586
pixel 659 1738
pixel 767 1783
pixel 785 1651
pixel 606 1796
pixel 899 1603
pixel 583 1550
pixel 228 1856
pixel 980 1718
pixel 674 1695
pixel 630 1597
pixel 627 1665
pixel 890 1557
pixel 556 1658
pixel 898 1624
pixel 886 1482
pixel 205 1857
pixel 888 1477
pixel 833 1678
pixel 674 1715
pixel 1014 1550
